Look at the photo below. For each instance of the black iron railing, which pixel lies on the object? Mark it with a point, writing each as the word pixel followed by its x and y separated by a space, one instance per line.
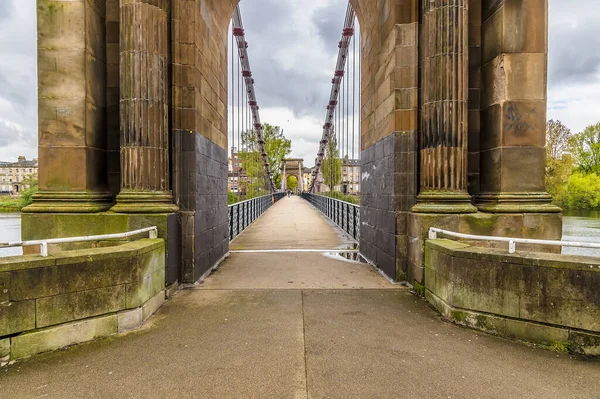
pixel 242 214
pixel 342 213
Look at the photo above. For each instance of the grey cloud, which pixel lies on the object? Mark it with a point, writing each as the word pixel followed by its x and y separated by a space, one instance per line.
pixel 572 55
pixel 272 30
pixel 16 90
pixel 329 21
pixel 10 135
pixel 574 42
pixel 7 10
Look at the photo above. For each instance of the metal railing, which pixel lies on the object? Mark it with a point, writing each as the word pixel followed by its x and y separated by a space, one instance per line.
pixel 153 233
pixel 242 214
pixel 342 213
pixel 512 242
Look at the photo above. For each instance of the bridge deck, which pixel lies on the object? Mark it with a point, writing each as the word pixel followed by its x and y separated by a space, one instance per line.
pixel 298 325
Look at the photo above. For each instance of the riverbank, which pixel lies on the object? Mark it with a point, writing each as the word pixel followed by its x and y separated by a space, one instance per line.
pixel 10 209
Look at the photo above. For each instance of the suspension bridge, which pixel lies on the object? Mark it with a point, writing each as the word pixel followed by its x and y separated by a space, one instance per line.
pixel 309 295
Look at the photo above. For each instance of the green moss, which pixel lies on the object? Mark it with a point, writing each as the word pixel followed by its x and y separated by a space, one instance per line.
pixel 459 316
pixel 562 347
pixel 419 288
pixel 481 223
pixel 50 9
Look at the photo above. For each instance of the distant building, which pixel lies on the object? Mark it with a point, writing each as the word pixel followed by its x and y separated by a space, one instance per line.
pixel 14 175
pixel 236 177
pixel 306 177
pixel 350 177
pixel 350 183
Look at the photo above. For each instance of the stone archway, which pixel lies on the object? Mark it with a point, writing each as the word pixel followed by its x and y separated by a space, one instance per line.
pixel 151 133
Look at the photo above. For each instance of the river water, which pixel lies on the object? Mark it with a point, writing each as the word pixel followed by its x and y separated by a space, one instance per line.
pixel 10 230
pixel 577 226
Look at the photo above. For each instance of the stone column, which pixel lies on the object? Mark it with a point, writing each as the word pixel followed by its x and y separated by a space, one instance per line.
pixel 71 108
pixel 444 116
pixel 513 117
pixel 144 108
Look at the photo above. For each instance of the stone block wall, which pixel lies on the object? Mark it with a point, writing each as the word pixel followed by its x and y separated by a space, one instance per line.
pixel 388 191
pixel 38 226
pixel 203 203
pixel 546 226
pixel 548 299
pixel 72 124
pixel 47 303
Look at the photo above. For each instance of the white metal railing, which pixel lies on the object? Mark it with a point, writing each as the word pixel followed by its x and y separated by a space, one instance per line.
pixel 153 233
pixel 512 242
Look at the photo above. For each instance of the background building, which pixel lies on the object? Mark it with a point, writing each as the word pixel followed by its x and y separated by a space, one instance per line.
pixel 350 183
pixel 14 175
pixel 236 177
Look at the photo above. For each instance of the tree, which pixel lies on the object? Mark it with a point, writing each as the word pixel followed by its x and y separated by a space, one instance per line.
pixel 332 164
pixel 559 162
pixel 292 182
pixel 585 147
pixel 277 147
pixel 26 196
pixel 557 139
pixel 583 191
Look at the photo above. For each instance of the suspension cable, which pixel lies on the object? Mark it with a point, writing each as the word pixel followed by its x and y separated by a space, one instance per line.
pixel 347 34
pixel 238 32
pixel 232 181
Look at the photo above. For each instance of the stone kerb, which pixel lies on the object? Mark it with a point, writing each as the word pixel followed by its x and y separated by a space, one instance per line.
pixel 76 296
pixel 549 299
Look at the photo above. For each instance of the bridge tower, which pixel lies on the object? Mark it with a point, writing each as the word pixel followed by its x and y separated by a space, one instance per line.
pixel 133 131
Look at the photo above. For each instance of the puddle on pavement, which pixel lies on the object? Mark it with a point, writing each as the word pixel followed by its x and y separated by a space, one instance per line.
pixel 345 255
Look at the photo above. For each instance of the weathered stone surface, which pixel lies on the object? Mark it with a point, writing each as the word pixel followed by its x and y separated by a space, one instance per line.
pixel 4 349
pixel 140 292
pixel 72 101
pixel 539 297
pixel 152 305
pixel 53 338
pixel 16 317
pixel 79 305
pixel 513 101
pixel 129 320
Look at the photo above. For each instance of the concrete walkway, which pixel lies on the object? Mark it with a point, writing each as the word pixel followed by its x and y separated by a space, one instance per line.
pixel 292 325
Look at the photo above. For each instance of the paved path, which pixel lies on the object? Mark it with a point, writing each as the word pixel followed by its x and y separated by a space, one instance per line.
pixel 287 325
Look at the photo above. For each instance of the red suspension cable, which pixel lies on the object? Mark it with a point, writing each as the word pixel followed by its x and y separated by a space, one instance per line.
pixel 347 34
pixel 242 44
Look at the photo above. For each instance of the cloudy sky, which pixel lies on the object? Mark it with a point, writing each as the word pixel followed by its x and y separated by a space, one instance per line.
pixel 293 61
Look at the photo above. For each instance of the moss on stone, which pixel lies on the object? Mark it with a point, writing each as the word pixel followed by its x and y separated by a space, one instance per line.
pixel 419 288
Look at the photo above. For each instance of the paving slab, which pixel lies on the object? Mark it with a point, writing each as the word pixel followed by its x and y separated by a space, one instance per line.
pixel 390 344
pixel 293 271
pixel 202 344
pixel 292 223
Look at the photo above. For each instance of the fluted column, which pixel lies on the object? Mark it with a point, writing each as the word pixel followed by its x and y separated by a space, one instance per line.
pixel 444 128
pixel 144 108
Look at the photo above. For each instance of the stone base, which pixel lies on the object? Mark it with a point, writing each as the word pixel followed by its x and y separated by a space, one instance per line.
pixel 444 203
pixel 522 225
pixel 516 203
pixel 38 226
pixel 144 202
pixel 69 202
pixel 552 337
pixel 64 335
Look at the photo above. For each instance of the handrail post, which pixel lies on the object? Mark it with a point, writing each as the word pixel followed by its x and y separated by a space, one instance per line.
pixel 44 249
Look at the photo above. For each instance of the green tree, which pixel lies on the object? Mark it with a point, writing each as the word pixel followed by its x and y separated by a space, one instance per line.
pixel 585 147
pixel 559 161
pixel 583 191
pixel 277 147
pixel 332 164
pixel 292 182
